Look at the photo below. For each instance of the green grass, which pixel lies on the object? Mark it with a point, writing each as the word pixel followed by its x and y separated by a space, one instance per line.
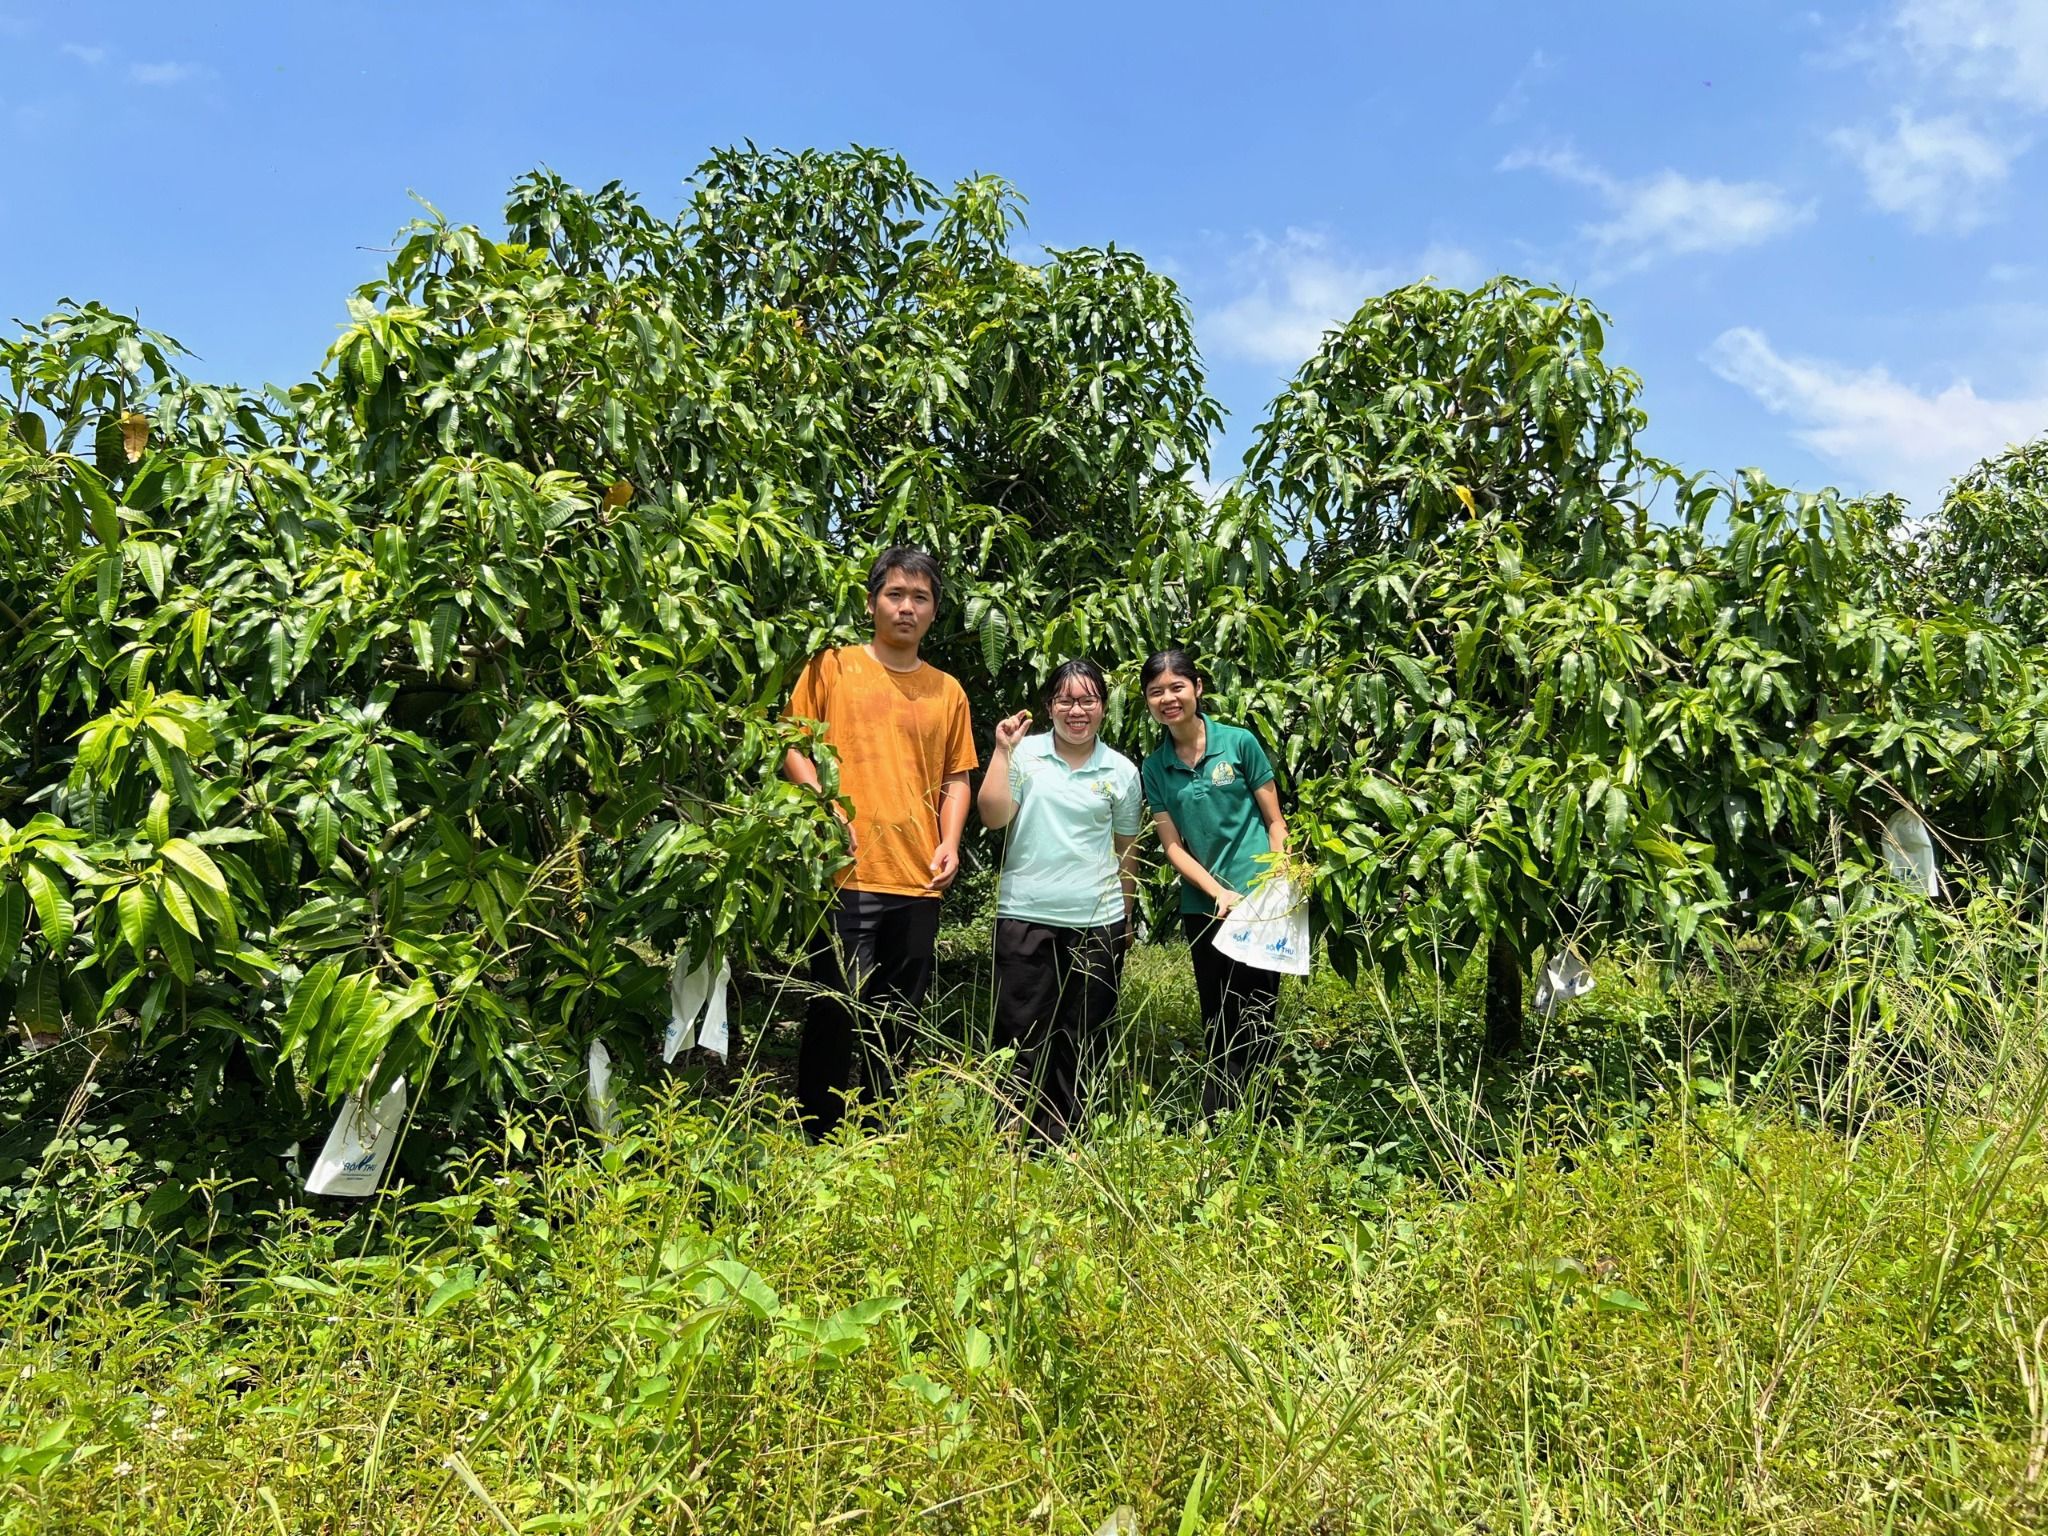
pixel 1756 1252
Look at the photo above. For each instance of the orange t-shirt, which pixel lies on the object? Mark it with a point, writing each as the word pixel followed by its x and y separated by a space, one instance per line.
pixel 898 735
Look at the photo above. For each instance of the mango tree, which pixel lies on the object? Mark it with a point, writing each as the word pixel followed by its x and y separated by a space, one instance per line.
pixel 412 719
pixel 1989 545
pixel 1550 692
pixel 1461 470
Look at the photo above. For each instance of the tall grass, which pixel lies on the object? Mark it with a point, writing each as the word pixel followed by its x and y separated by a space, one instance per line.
pixel 1760 1250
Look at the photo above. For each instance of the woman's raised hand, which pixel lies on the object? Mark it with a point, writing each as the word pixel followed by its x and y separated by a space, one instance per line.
pixel 1011 731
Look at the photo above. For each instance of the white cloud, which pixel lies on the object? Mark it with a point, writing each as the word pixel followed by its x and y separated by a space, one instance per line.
pixel 1211 491
pixel 31 119
pixel 1512 105
pixel 1295 288
pixel 1669 214
pixel 1994 47
pixel 1883 432
pixel 1967 74
pixel 91 57
pixel 1937 172
pixel 163 74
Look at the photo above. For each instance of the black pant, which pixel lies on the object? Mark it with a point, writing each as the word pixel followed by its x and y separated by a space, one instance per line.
pixel 1055 997
pixel 1238 1003
pixel 869 972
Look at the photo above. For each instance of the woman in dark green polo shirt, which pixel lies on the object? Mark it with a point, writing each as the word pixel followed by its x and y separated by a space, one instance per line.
pixel 1211 790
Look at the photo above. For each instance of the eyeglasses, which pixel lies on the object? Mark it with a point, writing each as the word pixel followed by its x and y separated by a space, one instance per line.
pixel 1083 702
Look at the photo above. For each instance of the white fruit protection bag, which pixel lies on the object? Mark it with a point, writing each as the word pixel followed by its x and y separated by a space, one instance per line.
pixel 697 1007
pixel 598 1102
pixel 1564 978
pixel 361 1143
pixel 1909 853
pixel 1268 929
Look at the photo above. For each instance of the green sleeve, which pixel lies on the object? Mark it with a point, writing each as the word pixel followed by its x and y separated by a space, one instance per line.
pixel 1253 763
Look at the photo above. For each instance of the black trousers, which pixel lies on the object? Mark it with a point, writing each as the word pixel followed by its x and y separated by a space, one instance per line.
pixel 1056 994
pixel 1238 1004
pixel 870 969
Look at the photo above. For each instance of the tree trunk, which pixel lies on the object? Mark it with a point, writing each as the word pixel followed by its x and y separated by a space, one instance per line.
pixel 1503 997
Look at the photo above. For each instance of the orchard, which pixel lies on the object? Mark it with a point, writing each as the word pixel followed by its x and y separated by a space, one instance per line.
pixel 419 718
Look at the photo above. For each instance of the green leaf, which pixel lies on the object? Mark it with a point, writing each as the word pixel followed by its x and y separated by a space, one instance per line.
pixel 104 515
pixel 444 628
pixel 995 638
pixel 1617 815
pixel 280 659
pixel 931 1393
pixel 382 780
pixel 321 827
pixel 107 586
pixel 29 428
pixel 449 1291
pixel 214 904
pixel 173 940
pixel 308 999
pixel 1389 801
pixel 978 1350
pixel 137 906
pixel 306 1286
pixel 195 861
pixel 356 1029
pixel 833 1340
pixel 154 562
pixel 414 999
pixel 13 918
pixel 731 1280
pixel 1662 851
pixel 368 358
pixel 1191 1507
pixel 53 910
pixel 177 902
pixel 40 1002
pixel 1612 1298
pixel 156 824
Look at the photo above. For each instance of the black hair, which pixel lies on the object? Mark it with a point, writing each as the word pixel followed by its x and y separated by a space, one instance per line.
pixel 910 560
pixel 1174 660
pixel 1080 669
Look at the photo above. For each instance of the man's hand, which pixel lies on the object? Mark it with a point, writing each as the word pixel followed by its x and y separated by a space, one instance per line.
pixel 945 865
pixel 1013 730
pixel 1226 900
pixel 852 837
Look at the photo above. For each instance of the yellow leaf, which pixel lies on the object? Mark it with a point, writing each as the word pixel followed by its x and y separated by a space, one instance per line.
pixel 1466 497
pixel 134 434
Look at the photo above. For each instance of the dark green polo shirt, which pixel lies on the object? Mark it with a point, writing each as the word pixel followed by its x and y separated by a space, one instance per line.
pixel 1212 807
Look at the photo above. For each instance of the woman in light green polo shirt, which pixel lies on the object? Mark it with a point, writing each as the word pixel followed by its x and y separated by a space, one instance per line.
pixel 1062 907
pixel 1211 790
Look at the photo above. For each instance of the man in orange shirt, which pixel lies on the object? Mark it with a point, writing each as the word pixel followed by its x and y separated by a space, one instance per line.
pixel 905 749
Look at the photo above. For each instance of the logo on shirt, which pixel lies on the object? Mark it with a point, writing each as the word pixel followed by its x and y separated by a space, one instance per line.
pixel 1223 773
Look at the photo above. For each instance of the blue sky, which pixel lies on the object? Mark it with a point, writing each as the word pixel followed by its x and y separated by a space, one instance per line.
pixel 1822 233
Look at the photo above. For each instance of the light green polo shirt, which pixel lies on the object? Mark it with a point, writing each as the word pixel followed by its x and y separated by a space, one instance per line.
pixel 1212 807
pixel 1060 868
